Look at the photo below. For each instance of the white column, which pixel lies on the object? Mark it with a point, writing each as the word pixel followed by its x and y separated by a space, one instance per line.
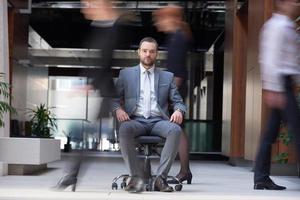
pixel 4 67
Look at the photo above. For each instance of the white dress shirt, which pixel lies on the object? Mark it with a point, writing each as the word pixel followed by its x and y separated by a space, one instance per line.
pixel 279 52
pixel 154 106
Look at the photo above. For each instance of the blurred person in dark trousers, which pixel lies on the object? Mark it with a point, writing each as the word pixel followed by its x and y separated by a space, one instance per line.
pixel 170 21
pixel 104 37
pixel 105 32
pixel 279 60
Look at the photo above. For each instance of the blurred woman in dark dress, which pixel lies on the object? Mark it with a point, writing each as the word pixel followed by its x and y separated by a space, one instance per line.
pixel 104 37
pixel 170 21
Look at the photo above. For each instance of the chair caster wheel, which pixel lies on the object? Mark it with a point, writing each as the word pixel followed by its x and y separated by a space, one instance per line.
pixel 114 186
pixel 123 185
pixel 178 187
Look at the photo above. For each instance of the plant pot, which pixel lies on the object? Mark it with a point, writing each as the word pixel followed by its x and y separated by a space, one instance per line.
pixel 67 147
pixel 32 151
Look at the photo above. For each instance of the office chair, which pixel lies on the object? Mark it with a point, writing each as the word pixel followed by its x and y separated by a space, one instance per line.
pixel 148 145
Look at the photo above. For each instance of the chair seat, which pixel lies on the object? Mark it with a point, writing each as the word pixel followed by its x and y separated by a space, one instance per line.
pixel 146 139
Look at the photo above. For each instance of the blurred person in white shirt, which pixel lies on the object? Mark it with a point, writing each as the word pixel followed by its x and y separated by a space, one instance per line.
pixel 279 61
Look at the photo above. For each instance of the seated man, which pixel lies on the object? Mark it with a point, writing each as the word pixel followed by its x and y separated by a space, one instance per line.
pixel 145 93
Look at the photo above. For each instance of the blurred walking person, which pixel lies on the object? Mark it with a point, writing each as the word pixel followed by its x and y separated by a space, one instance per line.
pixel 279 60
pixel 104 36
pixel 170 21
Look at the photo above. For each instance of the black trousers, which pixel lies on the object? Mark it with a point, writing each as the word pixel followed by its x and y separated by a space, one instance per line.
pixel 291 116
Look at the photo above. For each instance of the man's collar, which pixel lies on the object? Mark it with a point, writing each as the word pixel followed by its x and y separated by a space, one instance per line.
pixel 143 69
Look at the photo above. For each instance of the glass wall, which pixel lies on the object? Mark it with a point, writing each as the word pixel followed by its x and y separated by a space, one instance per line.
pixel 202 135
pixel 76 110
pixel 68 97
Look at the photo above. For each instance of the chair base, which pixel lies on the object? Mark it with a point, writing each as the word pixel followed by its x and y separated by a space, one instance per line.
pixel 147 145
pixel 114 185
pixel 148 183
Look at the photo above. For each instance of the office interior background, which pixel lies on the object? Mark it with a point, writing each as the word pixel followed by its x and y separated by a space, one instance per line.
pixel 48 49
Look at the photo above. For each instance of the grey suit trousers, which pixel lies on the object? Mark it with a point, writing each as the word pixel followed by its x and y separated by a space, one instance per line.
pixel 138 126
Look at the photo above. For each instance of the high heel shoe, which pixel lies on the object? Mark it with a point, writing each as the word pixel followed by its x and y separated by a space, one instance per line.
pixel 65 182
pixel 181 178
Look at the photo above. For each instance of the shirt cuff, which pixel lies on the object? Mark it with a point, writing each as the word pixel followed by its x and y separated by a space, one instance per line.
pixel 182 112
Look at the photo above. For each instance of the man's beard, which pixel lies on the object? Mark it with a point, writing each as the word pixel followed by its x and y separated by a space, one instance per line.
pixel 150 63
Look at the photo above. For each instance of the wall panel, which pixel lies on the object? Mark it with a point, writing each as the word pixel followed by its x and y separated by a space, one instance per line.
pixel 234 81
pixel 258 12
pixel 227 80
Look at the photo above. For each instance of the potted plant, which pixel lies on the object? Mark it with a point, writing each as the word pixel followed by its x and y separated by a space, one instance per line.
pixel 18 147
pixel 42 121
pixel 4 95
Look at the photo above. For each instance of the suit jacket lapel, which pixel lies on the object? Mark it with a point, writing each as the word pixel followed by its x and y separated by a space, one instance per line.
pixel 137 82
pixel 156 81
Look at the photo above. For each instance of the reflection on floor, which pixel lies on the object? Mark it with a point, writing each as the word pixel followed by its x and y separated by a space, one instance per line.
pixel 211 180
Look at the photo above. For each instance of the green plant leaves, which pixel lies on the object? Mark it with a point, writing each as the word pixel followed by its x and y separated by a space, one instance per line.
pixel 4 95
pixel 42 120
pixel 285 138
pixel 282 158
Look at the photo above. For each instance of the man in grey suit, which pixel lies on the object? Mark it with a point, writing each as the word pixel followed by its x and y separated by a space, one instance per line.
pixel 144 96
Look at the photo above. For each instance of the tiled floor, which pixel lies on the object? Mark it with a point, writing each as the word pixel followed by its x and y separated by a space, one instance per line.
pixel 211 180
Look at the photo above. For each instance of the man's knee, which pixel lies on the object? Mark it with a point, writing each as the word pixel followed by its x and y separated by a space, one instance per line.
pixel 175 129
pixel 126 128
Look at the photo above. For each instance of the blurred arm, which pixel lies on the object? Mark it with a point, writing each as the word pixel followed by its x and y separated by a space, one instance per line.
pixel 175 98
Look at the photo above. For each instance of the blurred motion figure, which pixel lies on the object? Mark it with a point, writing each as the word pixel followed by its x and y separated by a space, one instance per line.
pixel 104 36
pixel 170 21
pixel 279 60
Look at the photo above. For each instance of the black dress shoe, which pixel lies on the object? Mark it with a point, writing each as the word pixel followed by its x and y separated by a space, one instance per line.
pixel 268 185
pixel 181 178
pixel 135 185
pixel 65 182
pixel 160 184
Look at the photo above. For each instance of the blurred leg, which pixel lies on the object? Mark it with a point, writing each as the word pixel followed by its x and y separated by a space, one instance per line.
pixel 184 153
pixel 185 172
pixel 70 172
pixel 292 117
pixel 263 159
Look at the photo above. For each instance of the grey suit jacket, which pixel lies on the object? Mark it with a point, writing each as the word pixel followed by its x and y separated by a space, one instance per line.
pixel 128 91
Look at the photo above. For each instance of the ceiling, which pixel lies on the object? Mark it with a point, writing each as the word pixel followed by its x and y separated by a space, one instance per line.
pixel 61 24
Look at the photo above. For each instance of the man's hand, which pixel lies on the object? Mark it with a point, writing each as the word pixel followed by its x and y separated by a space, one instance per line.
pixel 176 117
pixel 274 99
pixel 122 116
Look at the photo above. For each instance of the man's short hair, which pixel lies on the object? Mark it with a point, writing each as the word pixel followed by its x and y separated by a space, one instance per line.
pixel 148 39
